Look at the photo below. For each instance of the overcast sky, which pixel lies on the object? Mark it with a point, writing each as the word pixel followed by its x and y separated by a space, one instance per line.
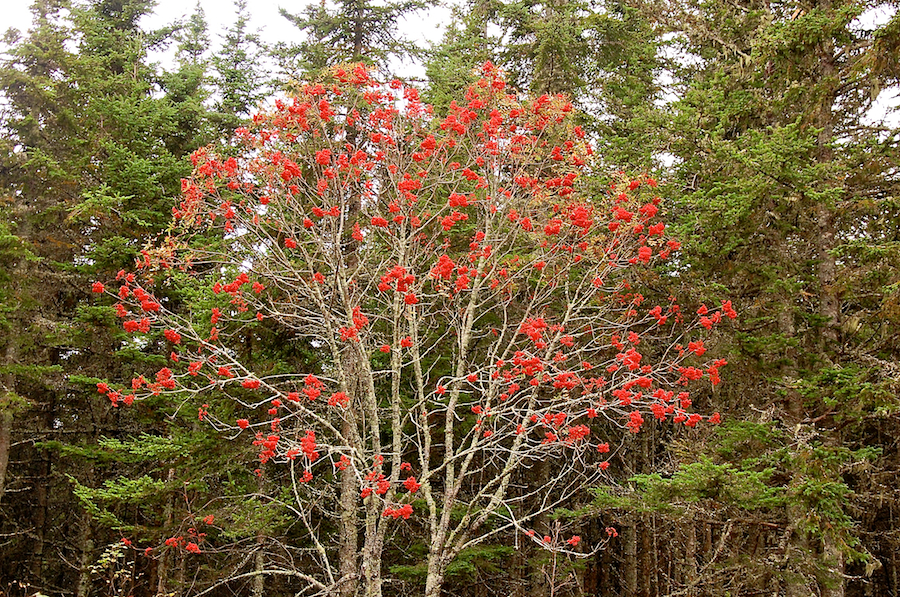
pixel 425 26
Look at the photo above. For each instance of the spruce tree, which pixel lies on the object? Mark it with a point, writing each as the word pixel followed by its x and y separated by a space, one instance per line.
pixel 92 149
pixel 789 197
pixel 451 66
pixel 353 31
pixel 240 80
pixel 546 49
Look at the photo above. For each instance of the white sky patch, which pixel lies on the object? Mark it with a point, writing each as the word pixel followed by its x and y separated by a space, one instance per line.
pixel 423 27
pixel 885 111
pixel 873 18
pixel 17 16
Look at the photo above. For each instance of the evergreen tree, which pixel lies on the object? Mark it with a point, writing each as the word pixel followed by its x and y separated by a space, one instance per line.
pixel 92 149
pixel 38 139
pixel 605 55
pixel 353 31
pixel 240 80
pixel 623 98
pixel 790 201
pixel 546 48
pixel 466 45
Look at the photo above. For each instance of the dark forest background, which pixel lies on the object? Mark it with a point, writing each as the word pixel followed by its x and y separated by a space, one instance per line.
pixel 756 117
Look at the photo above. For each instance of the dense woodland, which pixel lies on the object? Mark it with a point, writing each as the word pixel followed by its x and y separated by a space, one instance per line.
pixel 779 180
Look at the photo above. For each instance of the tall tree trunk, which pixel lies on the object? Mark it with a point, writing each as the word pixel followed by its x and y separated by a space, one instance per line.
pixel 540 583
pixel 348 500
pixel 258 588
pixel 796 548
pixel 831 577
pixel 8 398
pixel 689 554
pixel 348 562
pixel 646 556
pixel 6 422
pixel 41 495
pixel 86 559
pixel 829 301
pixel 629 538
pixel 162 569
pixel 40 518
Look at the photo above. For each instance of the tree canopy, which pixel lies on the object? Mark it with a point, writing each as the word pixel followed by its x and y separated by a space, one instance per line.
pixel 360 332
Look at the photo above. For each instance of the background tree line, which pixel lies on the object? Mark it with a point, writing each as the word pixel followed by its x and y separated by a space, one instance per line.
pixel 756 117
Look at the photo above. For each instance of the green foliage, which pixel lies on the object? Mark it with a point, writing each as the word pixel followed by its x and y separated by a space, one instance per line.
pixel 252 516
pixel 479 559
pixel 548 49
pixel 34 372
pixel 852 391
pixel 705 480
pixel 470 563
pixel 353 31
pixel 101 501
pixel 744 487
pixel 451 65
pixel 120 490
pixel 239 77
pixel 95 140
pixel 737 440
pixel 622 97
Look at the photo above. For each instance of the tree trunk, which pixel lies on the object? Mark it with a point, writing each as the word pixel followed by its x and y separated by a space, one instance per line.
pixel 347 555
pixel 831 580
pixel 86 546
pixel 179 575
pixel 832 583
pixel 795 542
pixel 372 551
pixel 629 538
pixel 348 498
pixel 606 581
pixel 829 301
pixel 8 398
pixel 435 578
pixel 258 588
pixel 797 552
pixel 162 569
pixel 540 583
pixel 689 555
pixel 646 556
pixel 41 500
pixel 6 421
